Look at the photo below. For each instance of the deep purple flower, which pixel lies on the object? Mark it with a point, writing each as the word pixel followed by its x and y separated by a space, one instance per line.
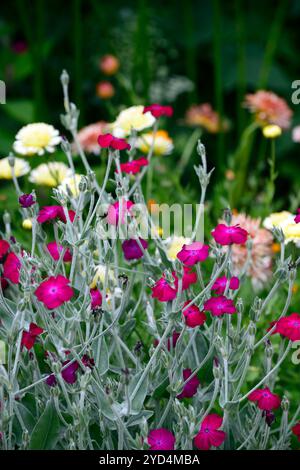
pixel 69 373
pixel 132 249
pixel 26 200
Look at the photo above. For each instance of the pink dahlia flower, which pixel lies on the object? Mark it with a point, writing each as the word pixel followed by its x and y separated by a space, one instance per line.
pixel 289 326
pixel 193 253
pixel 210 434
pixel 54 212
pixel 227 235
pixel 219 305
pixel 88 137
pixel 134 166
pixel 11 268
pixel 29 337
pixel 162 291
pixel 296 431
pixel 189 277
pixel 193 315
pixel 269 108
pixel 114 143
pixel 191 387
pixel 96 298
pixel 114 212
pixel 56 250
pixel 161 439
pixel 54 291
pixel 132 249
pixel 297 218
pixel 265 399
pixel 4 248
pixel 157 110
pixel 220 284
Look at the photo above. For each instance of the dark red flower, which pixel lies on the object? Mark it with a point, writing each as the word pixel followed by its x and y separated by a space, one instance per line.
pixel 265 399
pixel 11 268
pixel 88 361
pixel 191 387
pixel 26 200
pixel 4 283
pixel 114 143
pixel 157 110
pixel 29 337
pixel 4 248
pixel 296 431
pixel 69 374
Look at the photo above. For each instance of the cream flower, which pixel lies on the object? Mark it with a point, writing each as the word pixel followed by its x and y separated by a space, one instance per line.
pixel 50 174
pixel 132 118
pixel 174 245
pixel 163 144
pixel 36 139
pixel 278 219
pixel 292 233
pixel 21 168
pixel 72 182
pixel 99 276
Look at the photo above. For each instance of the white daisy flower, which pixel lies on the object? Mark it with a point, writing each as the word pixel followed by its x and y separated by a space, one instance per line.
pixel 21 167
pixel 36 139
pixel 132 118
pixel 50 174
pixel 71 182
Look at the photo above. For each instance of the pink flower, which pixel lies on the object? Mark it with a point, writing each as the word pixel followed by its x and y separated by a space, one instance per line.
pixel 4 248
pixel 209 434
pixel 190 388
pixel 162 291
pixel 219 305
pixel 157 110
pixel 114 143
pixel 29 337
pixel 96 298
pixel 56 250
pixel 193 315
pixel 296 431
pixel 54 212
pixel 297 218
pixel 132 250
pixel 161 439
pixel 220 284
pixel 134 166
pixel 289 327
pixel 266 400
pixel 188 278
pixel 193 253
pixel 11 268
pixel 227 235
pixel 88 137
pixel 114 210
pixel 54 291
pixel 269 108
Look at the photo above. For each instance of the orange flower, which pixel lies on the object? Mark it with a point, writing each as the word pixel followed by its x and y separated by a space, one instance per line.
pixel 105 90
pixel 88 136
pixel 109 64
pixel 269 108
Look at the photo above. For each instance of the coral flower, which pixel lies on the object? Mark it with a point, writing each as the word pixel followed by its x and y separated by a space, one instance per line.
pixel 219 305
pixel 132 249
pixel 193 253
pixel 227 235
pixel 157 110
pixel 48 213
pixel 114 143
pixel 109 64
pixel 162 291
pixel 289 326
pixel 210 434
pixel 193 315
pixel 56 250
pixel 26 200
pixel 4 248
pixel 269 108
pixel 161 439
pixel 96 298
pixel 191 387
pixel 29 337
pixel 296 431
pixel 160 142
pixel 204 116
pixel 54 291
pixel 297 218
pixel 11 268
pixel 134 166
pixel 88 137
pixel 105 90
pixel 113 213
pixel 188 278
pixel 265 399
pixel 220 284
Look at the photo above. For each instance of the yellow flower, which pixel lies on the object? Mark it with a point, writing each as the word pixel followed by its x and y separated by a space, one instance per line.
pixel 174 245
pixel 72 182
pixel 99 276
pixel 27 224
pixel 271 131
pixel 21 168
pixel 36 139
pixel 163 144
pixel 278 219
pixel 292 233
pixel 50 174
pixel 132 118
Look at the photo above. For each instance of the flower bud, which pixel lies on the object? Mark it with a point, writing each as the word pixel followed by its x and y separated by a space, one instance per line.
pixel 285 403
pixel 27 224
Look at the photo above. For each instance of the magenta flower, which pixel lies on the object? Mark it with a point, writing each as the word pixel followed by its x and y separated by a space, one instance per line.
pixel 56 250
pixel 193 315
pixel 134 166
pixel 132 250
pixel 189 277
pixel 69 374
pixel 161 439
pixel 26 200
pixel 29 337
pixel 54 291
pixel 209 434
pixel 219 305
pixel 297 218
pixel 190 388
pixel 48 213
pixel 265 399
pixel 193 253
pixel 11 268
pixel 162 291
pixel 4 248
pixel 157 110
pixel 288 326
pixel 113 213
pixel 114 143
pixel 227 235
pixel 96 298
pixel 296 431
pixel 220 284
